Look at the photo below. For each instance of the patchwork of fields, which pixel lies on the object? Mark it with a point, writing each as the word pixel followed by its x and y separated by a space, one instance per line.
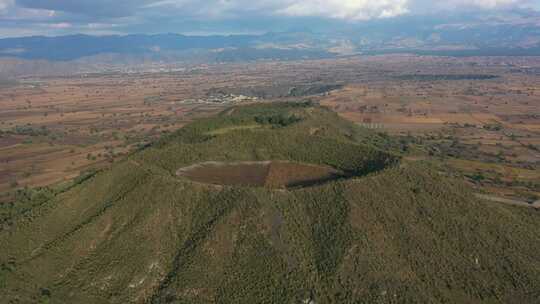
pixel 478 111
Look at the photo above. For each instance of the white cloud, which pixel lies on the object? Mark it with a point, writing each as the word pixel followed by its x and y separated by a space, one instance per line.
pixel 60 25
pixel 493 3
pixel 338 9
pixel 490 3
pixel 341 9
pixel 346 9
pixel 424 5
pixel 5 4
pixel 212 9
pixel 135 15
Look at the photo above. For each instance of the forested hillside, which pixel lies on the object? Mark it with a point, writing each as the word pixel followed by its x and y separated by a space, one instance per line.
pixel 384 231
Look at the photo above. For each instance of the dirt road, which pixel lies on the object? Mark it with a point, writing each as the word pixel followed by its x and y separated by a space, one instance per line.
pixel 506 201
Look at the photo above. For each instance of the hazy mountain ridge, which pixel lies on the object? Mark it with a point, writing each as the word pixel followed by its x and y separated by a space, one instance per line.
pixel 508 34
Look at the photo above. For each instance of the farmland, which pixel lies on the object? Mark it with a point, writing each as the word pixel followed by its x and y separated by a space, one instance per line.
pixel 484 127
pixel 477 117
pixel 53 129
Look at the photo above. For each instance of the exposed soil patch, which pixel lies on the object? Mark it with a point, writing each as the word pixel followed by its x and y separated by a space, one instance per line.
pixel 271 174
pixel 286 174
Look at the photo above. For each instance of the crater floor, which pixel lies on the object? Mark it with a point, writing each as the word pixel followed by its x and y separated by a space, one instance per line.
pixel 271 174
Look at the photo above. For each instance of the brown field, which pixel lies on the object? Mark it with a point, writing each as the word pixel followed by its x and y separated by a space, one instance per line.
pixel 51 129
pixel 271 174
pixel 478 126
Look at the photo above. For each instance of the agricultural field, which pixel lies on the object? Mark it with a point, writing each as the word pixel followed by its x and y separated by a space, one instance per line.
pixel 482 120
pixel 52 129
pixel 476 116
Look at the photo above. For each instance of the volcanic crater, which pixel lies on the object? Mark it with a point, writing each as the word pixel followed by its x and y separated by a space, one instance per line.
pixel 269 174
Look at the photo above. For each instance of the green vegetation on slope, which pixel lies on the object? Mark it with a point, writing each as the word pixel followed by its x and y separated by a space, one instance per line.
pixel 391 234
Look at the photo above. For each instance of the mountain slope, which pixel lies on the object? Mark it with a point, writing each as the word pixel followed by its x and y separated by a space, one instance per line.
pixel 389 233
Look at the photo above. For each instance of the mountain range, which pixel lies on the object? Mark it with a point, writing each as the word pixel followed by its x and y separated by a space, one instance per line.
pixel 508 34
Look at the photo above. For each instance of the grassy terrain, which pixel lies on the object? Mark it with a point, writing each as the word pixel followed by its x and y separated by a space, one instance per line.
pixel 137 233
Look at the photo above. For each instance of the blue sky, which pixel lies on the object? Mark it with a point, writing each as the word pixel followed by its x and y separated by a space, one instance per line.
pixel 58 17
